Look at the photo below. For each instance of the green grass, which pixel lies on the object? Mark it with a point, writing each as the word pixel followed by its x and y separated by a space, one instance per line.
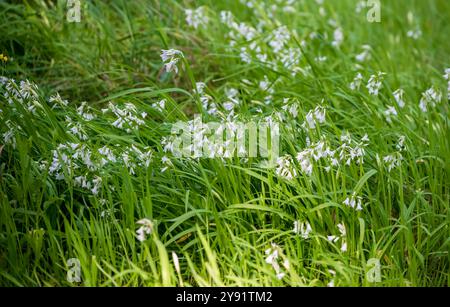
pixel 220 215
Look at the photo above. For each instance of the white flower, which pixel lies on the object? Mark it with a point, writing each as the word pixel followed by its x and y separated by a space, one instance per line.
pixel 333 238
pixel 145 229
pixel 338 37
pixel 304 158
pixel 279 38
pixel 285 168
pixel 356 83
pixel 447 74
pixel 430 98
pixel 391 111
pixel 398 95
pixel 414 34
pixel 401 144
pixel 313 117
pixel 226 17
pixel 302 229
pixel 374 84
pixel 342 229
pixel 196 17
pixel 392 161
pixel 354 202
pixel 170 58
pixel 344 246
pixel 160 105
pixel 364 55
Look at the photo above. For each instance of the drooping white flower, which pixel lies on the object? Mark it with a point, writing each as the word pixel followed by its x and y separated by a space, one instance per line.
pixel 374 84
pixel 285 168
pixel 356 83
pixel 160 105
pixel 389 112
pixel 354 202
pixel 303 229
pixel 429 99
pixel 338 36
pixel 315 116
pixel 170 58
pixel 279 38
pixel 304 158
pixel 364 55
pixel 145 229
pixel 392 161
pixel 398 95
pixel 414 34
pixel 226 17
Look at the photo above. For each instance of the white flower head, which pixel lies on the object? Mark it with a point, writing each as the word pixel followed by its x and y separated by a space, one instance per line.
pixel 170 58
pixel 302 229
pixel 145 229
pixel 398 95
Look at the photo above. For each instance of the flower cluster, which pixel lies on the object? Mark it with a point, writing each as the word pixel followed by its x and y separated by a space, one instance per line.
pixel 342 237
pixel 274 258
pixel 127 116
pixel 197 17
pixel 303 229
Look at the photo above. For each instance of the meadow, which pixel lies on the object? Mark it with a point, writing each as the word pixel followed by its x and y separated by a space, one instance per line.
pixel 93 193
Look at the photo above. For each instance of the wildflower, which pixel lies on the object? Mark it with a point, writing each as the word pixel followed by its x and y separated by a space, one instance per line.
pixel 81 110
pixel 364 55
pixel 273 254
pixel 401 144
pixel 414 34
pixel 392 161
pixel 160 105
pixel 316 116
pixel 447 74
pixel 302 229
pixel 447 77
pixel 338 37
pixel 165 161
pixel 342 229
pixel 291 109
pixel 285 168
pixel 197 17
pixel 343 234
pixel 279 38
pixel 430 98
pixel 398 96
pixel 304 158
pixel 108 155
pixel 354 202
pixel 145 229
pixel 391 111
pixel 170 58
pixel 57 98
pixel 128 117
pixel 374 84
pixel 356 83
pixel 226 17
pixel 245 56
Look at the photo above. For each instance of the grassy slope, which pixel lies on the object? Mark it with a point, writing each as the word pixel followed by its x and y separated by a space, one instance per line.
pixel 220 217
